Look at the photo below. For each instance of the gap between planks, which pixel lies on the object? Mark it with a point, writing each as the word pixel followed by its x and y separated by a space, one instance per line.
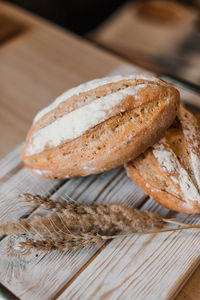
pixel 84 267
pixel 52 191
pixel 10 164
pixel 110 262
pixel 67 285
pixel 99 251
pixel 61 291
pixel 193 268
pixel 122 69
pixel 11 173
pixel 145 198
pixel 107 193
pixel 95 255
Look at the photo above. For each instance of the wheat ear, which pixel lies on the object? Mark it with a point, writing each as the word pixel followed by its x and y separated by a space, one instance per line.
pixel 100 219
pixel 76 241
pixel 73 226
pixel 43 201
pixel 58 206
pixel 68 242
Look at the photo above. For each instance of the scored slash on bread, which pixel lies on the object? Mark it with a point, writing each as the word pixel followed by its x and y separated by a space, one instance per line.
pixel 99 125
pixel 170 170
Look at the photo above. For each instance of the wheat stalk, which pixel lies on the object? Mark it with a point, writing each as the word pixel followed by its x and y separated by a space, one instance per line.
pixel 76 241
pixel 72 226
pixel 100 219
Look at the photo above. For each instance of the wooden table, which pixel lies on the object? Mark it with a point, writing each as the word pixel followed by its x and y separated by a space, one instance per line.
pixel 38 61
pixel 162 45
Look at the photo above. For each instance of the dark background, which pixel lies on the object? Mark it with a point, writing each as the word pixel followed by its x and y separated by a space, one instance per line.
pixel 79 16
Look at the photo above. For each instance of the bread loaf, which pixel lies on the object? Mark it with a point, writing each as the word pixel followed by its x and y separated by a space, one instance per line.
pixel 99 125
pixel 170 170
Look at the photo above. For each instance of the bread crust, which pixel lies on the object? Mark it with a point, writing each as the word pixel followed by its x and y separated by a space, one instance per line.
pixel 128 128
pixel 170 170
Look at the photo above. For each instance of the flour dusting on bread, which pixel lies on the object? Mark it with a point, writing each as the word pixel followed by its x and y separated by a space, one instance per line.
pixel 191 131
pixel 100 125
pixel 169 162
pixel 170 170
pixel 74 124
pixel 165 158
pixel 93 84
pixel 41 172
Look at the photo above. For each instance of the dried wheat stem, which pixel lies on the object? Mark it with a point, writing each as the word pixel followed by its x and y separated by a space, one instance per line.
pixel 73 226
pixel 60 206
pixel 173 221
pixel 76 241
pixel 150 232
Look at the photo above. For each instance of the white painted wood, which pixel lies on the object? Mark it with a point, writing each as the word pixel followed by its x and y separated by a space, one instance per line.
pixel 24 181
pixel 44 275
pixel 139 267
pixel 10 161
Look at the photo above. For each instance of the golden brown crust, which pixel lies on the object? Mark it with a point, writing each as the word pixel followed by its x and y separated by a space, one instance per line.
pixel 169 171
pixel 77 101
pixel 130 128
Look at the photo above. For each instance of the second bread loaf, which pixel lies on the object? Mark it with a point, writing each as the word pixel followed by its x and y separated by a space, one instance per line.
pixel 170 170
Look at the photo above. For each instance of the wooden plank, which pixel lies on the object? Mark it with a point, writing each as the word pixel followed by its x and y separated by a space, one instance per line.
pixel 191 290
pixel 139 267
pixel 37 66
pixel 151 43
pixel 50 272
pixel 23 181
pixel 108 186
pixel 10 162
pixel 82 189
pixel 46 49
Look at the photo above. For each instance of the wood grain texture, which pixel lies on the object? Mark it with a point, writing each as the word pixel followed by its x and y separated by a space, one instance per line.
pixel 23 181
pixel 140 267
pixel 153 44
pixel 133 267
pixel 130 34
pixel 44 275
pixel 38 65
pixel 190 291
pixel 10 162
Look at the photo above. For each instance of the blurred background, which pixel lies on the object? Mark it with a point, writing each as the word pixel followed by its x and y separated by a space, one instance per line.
pixel 161 35
pixel 79 16
pixel 38 62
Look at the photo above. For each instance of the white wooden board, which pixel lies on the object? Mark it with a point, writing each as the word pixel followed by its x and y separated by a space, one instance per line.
pixel 44 275
pixel 139 267
pixel 11 161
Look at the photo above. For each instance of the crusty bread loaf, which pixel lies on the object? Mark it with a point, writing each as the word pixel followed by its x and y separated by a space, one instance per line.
pixel 99 125
pixel 170 170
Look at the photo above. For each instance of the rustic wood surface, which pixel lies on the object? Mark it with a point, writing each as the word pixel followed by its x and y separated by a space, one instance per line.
pixel 38 63
pixel 171 47
pixel 131 268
